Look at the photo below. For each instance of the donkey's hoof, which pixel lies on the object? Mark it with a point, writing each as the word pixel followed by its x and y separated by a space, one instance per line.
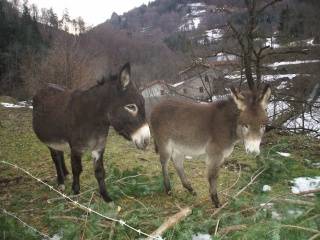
pixel 106 198
pixel 215 200
pixel 76 189
pixel 194 193
pixel 61 187
pixel 217 205
pixel 169 192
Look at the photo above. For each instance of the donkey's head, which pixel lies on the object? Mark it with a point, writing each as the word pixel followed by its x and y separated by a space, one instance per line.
pixel 127 113
pixel 253 116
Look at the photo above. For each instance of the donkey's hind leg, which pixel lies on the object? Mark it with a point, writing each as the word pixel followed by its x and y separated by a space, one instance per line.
pixel 57 157
pixel 178 160
pixel 64 167
pixel 164 160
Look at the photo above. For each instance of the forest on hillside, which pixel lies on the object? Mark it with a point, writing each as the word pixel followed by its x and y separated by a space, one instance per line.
pixel 37 47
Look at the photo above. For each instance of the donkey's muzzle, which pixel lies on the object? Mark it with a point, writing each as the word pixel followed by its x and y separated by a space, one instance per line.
pixel 141 137
pixel 252 146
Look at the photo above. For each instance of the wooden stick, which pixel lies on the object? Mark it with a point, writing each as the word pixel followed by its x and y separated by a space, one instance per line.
pixel 295 201
pixel 171 221
pixel 230 229
pixel 301 228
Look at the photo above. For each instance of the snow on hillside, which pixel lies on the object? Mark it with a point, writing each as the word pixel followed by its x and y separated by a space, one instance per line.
pixel 307 121
pixel 276 107
pixel 193 19
pixel 267 77
pixel 214 34
pixel 275 65
pixel 22 104
pixel 272 42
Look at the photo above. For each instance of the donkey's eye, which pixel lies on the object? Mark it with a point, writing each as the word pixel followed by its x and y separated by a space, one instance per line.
pixel 245 126
pixel 132 108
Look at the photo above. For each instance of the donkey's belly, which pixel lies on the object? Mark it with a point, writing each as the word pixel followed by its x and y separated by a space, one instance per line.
pixel 60 146
pixel 187 149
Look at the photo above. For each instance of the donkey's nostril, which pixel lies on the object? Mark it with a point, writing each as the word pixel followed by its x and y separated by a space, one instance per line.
pixel 141 137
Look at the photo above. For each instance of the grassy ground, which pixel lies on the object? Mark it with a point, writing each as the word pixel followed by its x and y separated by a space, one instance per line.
pixel 135 182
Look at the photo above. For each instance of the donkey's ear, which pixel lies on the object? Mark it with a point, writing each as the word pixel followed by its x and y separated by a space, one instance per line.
pixel 238 98
pixel 124 76
pixel 265 96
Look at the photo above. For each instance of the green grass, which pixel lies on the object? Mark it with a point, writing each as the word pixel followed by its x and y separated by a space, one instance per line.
pixel 134 181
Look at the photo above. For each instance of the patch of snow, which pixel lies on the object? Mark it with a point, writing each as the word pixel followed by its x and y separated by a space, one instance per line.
pixel 146 29
pixel 308 121
pixel 269 78
pixel 201 236
pixel 177 84
pixel 22 104
pixel 283 154
pixel 276 107
pixel 282 85
pixel 266 188
pixel 302 184
pixel 191 24
pixel 275 215
pixel 275 65
pixel 272 42
pixel 315 165
pixel 196 22
pixel 233 76
pixel 219 97
pixel 295 212
pixel 266 205
pixel 198 4
pixel 214 34
pixel 56 236
pixel 310 42
pixel 306 42
pixel 188 157
pixel 196 12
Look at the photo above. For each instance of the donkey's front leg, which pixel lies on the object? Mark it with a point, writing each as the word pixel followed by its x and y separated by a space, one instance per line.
pixel 213 167
pixel 99 172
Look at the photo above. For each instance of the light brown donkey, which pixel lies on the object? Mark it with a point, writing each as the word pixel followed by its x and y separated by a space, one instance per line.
pixel 213 129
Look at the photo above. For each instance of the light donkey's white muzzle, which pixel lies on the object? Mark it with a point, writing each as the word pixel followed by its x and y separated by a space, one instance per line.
pixel 141 137
pixel 252 145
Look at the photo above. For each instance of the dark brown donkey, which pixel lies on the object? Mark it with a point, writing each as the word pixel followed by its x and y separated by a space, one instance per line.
pixel 80 120
pixel 213 129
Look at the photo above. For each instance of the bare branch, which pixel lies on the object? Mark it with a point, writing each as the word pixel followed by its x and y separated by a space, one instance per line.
pixel 238 36
pixel 261 10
